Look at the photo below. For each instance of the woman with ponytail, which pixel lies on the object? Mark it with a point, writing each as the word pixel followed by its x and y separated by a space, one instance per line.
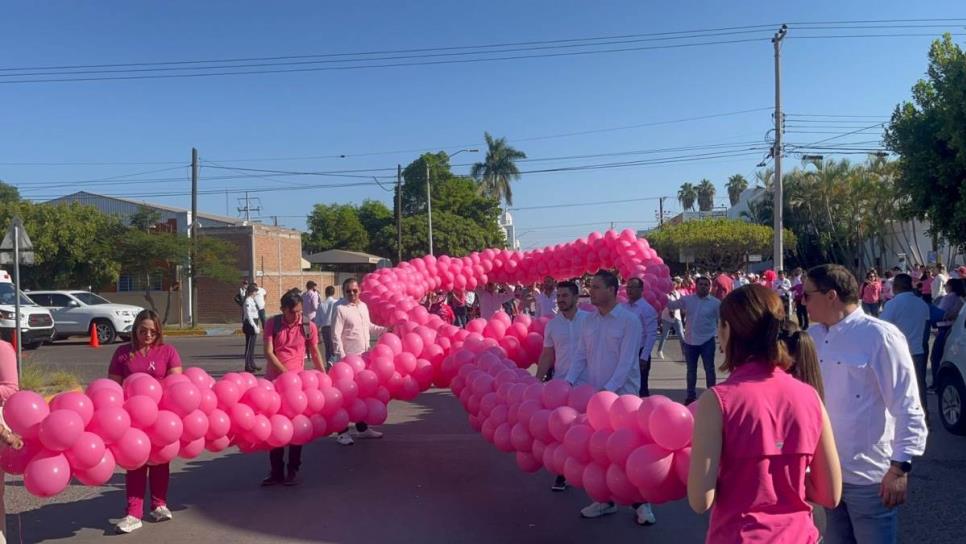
pixel 801 348
pixel 762 444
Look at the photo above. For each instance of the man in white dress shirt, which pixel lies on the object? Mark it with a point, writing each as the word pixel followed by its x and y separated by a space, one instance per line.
pixel 546 298
pixel 872 402
pixel 911 314
pixel 606 357
pixel 648 316
pixel 559 342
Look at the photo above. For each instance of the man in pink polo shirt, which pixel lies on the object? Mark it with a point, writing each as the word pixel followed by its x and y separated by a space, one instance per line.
pixel 287 339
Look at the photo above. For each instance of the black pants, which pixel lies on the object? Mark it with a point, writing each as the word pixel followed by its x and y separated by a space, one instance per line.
pixel 327 342
pixel 461 315
pixel 250 338
pixel 645 372
pixel 277 459
pixel 360 427
pixel 261 316
pixel 801 312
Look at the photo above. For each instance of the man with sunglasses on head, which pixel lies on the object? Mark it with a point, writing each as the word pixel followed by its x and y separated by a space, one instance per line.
pixel 352 331
pixel 873 405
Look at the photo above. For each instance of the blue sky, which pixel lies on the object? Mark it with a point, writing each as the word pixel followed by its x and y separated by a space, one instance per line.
pixel 370 114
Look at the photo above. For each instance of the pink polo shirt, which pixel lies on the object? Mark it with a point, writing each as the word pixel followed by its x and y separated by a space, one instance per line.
pixel 9 384
pixel 771 428
pixel 157 362
pixel 289 344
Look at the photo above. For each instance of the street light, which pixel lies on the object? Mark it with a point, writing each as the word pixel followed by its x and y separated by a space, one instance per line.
pixel 429 200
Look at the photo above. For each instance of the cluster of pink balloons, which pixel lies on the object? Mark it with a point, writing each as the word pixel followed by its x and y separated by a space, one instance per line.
pixel 393 293
pixel 621 448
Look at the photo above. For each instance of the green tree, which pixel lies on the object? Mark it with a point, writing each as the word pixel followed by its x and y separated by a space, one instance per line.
pixel 453 235
pixel 736 185
pixel 8 193
pixel 73 244
pixel 498 169
pixel 929 134
pixel 144 219
pixel 706 191
pixel 715 242
pixel 687 196
pixel 335 226
pixel 374 215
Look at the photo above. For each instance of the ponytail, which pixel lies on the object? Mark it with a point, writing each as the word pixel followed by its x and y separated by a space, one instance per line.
pixel 801 347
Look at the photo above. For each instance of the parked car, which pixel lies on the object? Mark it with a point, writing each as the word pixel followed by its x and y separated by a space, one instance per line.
pixel 75 311
pixel 36 323
pixel 951 386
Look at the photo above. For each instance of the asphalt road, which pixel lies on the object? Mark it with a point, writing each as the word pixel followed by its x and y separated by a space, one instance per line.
pixel 431 479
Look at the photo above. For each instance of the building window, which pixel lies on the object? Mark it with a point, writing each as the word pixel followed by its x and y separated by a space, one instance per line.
pixel 129 282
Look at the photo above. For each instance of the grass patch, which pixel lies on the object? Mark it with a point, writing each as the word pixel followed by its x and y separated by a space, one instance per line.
pixel 32 378
pixel 61 380
pixel 35 379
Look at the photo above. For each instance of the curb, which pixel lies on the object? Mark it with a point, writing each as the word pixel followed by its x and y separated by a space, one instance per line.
pixel 226 331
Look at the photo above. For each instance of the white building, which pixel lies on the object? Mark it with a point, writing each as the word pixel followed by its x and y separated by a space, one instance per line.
pixel 509 231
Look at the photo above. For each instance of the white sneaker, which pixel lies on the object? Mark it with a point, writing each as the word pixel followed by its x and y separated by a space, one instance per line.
pixel 128 525
pixel 344 439
pixel 598 509
pixel 660 355
pixel 368 433
pixel 645 516
pixel 161 513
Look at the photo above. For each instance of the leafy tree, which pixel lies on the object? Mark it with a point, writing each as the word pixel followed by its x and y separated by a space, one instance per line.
pixel 452 235
pixel 687 195
pixel 8 193
pixel 736 185
pixel 706 191
pixel 498 169
pixel 929 134
pixel 374 215
pixel 335 226
pixel 715 242
pixel 73 244
pixel 144 219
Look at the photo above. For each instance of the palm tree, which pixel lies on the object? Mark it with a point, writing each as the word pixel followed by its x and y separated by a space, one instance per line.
pixel 687 195
pixel 498 169
pixel 706 192
pixel 736 185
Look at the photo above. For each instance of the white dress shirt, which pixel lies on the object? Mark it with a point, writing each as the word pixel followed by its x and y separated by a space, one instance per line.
pixel 608 351
pixel 702 315
pixel 670 315
pixel 648 316
pixel 871 395
pixel 326 312
pixel 352 329
pixel 250 313
pixel 909 313
pixel 562 335
pixel 546 304
pixel 939 286
pixel 491 303
pixel 260 298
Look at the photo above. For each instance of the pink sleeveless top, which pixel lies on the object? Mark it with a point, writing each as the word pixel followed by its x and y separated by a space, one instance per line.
pixel 771 427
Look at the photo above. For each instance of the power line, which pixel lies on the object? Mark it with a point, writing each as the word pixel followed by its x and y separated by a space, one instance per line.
pixel 574 204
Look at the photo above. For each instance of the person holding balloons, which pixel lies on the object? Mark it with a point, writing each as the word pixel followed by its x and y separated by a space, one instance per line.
pixel 146 353
pixel 607 357
pixel 9 384
pixel 762 445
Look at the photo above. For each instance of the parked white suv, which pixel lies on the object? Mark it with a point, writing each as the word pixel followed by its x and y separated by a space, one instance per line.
pixel 75 311
pixel 36 323
pixel 951 385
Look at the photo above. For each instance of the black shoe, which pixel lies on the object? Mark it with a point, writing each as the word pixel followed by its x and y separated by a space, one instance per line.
pixel 559 485
pixel 292 479
pixel 271 480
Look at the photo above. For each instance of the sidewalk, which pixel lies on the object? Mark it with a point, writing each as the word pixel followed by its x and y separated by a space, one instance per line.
pixel 205 329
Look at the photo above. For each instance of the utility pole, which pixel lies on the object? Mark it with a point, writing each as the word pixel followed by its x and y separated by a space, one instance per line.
pixel 192 288
pixel 429 207
pixel 660 211
pixel 778 213
pixel 398 214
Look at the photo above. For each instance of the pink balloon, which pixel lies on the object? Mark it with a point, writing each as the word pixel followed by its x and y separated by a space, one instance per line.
pixel 287 381
pixel 282 431
pixel 105 398
pixel 310 380
pixel 595 482
pixel 620 486
pixel 199 377
pixel 262 428
pixel 166 429
pixel 15 461
pixel 319 426
pixel 100 473
pixel 560 420
pixel 383 367
pixel 405 363
pixel 357 410
pixel 110 423
pixel 539 426
pixel 24 411
pixel 302 430
pixel 671 425
pixel 228 393
pixel 132 450
pixel 682 464
pixel 644 414
pixel 580 396
pixel 190 450
pixel 356 362
pixel 520 438
pixel 194 426
pixel 181 398
pixel 333 401
pixel 598 409
pixel 349 390
pixel 376 412
pixel 143 411
pixel 368 382
pixel 392 342
pixel 294 402
pixel 76 402
pixel 242 418
pixel 258 398
pixel 164 454
pixel 648 466
pixel 47 474
pixel 60 430
pixel 501 438
pixel 86 453
pixel 412 343
pixel 172 379
pixel 218 425
pixel 528 462
pixel 621 443
pixel 555 394
pixel 574 472
pixel 209 401
pixel 577 442
pixel 338 421
pixel 104 383
pixel 217 445
pixel 623 412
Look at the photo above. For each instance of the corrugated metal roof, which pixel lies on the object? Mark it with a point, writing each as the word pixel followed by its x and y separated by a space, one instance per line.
pixel 85 195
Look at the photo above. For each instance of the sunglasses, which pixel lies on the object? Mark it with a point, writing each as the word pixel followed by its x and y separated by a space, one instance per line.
pixel 147 332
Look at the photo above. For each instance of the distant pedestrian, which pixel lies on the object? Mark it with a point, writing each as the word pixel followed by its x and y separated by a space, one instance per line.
pixel 251 328
pixel 939 282
pixel 924 285
pixel 546 298
pixel 887 291
pixel 722 284
pixel 260 302
pixel 671 320
pixel 491 301
pixel 310 300
pixel 701 312
pixel 910 314
pixel 871 294
pixel 323 320
pixel 783 288
pixel 460 307
pixel 950 305
pixel 648 317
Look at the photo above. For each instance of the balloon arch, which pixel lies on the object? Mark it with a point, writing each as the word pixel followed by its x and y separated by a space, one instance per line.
pixel 618 448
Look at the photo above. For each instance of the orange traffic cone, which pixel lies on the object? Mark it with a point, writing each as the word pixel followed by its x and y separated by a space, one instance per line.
pixel 94 341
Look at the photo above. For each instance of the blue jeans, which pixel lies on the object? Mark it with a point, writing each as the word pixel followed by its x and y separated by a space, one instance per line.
pixel 668 326
pixel 861 518
pixel 691 354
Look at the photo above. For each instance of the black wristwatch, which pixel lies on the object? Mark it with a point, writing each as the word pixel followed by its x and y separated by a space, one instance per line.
pixel 904 466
